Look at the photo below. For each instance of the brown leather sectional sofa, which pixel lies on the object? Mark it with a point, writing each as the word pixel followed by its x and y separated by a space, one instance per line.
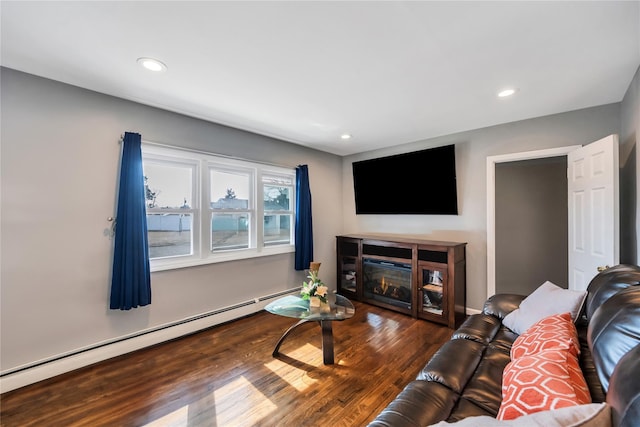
pixel 464 377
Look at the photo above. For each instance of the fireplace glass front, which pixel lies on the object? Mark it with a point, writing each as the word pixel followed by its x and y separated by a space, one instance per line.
pixel 388 282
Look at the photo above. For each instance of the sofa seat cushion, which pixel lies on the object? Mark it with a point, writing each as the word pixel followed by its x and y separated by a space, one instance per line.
pixel 466 408
pixel 484 389
pixel 453 364
pixel 419 404
pixel 587 366
pixel 504 339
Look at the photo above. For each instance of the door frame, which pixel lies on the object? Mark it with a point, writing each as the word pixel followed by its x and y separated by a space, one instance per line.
pixel 491 200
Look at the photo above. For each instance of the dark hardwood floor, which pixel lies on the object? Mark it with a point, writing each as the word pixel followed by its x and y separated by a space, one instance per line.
pixel 226 376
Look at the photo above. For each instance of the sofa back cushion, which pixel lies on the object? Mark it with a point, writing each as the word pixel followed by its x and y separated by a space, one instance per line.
pixel 614 330
pixel 500 305
pixel 608 283
pixel 624 392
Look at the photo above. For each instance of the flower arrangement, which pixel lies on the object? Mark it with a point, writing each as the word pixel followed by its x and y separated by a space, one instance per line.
pixel 314 287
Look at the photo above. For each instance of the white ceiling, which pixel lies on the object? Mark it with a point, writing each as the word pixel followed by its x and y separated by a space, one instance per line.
pixel 306 72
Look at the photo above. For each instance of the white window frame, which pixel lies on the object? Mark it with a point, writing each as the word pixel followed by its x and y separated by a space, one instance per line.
pixel 163 159
pixel 291 211
pixel 242 168
pixel 202 211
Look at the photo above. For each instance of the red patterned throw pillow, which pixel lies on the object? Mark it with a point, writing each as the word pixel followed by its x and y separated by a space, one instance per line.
pixel 543 381
pixel 553 332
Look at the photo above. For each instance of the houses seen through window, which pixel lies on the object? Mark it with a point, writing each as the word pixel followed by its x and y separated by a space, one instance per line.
pixel 278 211
pixel 169 200
pixel 231 210
pixel 204 208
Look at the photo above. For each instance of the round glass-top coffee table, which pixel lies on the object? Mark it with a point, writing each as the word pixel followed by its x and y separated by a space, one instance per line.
pixel 340 308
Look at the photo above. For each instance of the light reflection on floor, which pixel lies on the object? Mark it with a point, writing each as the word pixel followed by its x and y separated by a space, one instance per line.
pixel 218 410
pixel 386 330
pixel 223 410
pixel 295 377
pixel 380 321
pixel 178 418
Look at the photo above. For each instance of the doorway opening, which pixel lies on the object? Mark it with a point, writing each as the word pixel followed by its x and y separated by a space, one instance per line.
pixel 518 261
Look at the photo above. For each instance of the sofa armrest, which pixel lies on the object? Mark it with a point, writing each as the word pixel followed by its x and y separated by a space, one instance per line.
pixel 499 305
pixel 421 403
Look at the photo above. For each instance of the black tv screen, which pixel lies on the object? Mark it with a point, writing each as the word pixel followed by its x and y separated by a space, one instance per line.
pixel 420 183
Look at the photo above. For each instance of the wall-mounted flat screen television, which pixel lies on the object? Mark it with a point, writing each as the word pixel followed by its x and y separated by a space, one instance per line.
pixel 419 183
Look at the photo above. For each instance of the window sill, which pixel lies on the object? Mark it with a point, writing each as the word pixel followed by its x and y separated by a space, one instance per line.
pixel 174 264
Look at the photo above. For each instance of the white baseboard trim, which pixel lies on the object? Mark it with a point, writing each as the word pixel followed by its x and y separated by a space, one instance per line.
pixel 471 311
pixel 60 364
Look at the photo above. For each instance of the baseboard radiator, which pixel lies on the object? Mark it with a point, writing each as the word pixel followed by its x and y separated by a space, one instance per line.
pixel 46 368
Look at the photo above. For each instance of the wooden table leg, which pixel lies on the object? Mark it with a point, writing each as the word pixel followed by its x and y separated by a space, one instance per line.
pixel 277 349
pixel 327 342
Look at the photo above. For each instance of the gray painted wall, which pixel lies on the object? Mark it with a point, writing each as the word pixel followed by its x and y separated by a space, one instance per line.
pixel 59 162
pixel 472 148
pixel 531 224
pixel 629 176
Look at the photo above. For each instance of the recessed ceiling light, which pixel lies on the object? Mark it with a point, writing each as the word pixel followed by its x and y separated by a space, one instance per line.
pixel 152 64
pixel 507 92
pixel 345 136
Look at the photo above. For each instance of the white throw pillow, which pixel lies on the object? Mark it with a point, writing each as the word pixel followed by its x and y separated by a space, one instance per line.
pixel 547 300
pixel 588 415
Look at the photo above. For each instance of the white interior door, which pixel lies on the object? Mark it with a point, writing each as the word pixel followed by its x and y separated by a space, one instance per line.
pixel 592 182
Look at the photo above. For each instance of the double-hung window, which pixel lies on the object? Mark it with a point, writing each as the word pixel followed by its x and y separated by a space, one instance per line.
pixel 172 216
pixel 203 208
pixel 232 207
pixel 277 208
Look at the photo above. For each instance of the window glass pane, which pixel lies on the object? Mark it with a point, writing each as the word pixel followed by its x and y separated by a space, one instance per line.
pixel 277 230
pixel 276 198
pixel 169 235
pixel 168 186
pixel 229 231
pixel 229 190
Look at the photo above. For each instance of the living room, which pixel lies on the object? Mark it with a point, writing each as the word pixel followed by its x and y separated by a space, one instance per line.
pixel 60 156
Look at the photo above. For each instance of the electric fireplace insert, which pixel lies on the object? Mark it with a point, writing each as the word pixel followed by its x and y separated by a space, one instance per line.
pixel 388 282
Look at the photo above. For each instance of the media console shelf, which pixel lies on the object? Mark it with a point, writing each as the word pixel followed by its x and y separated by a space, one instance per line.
pixel 422 278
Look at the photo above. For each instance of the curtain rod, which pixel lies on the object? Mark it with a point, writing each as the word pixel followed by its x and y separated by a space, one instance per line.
pixel 193 150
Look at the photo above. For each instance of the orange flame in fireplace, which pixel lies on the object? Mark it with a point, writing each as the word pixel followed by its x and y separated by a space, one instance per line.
pixel 384 286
